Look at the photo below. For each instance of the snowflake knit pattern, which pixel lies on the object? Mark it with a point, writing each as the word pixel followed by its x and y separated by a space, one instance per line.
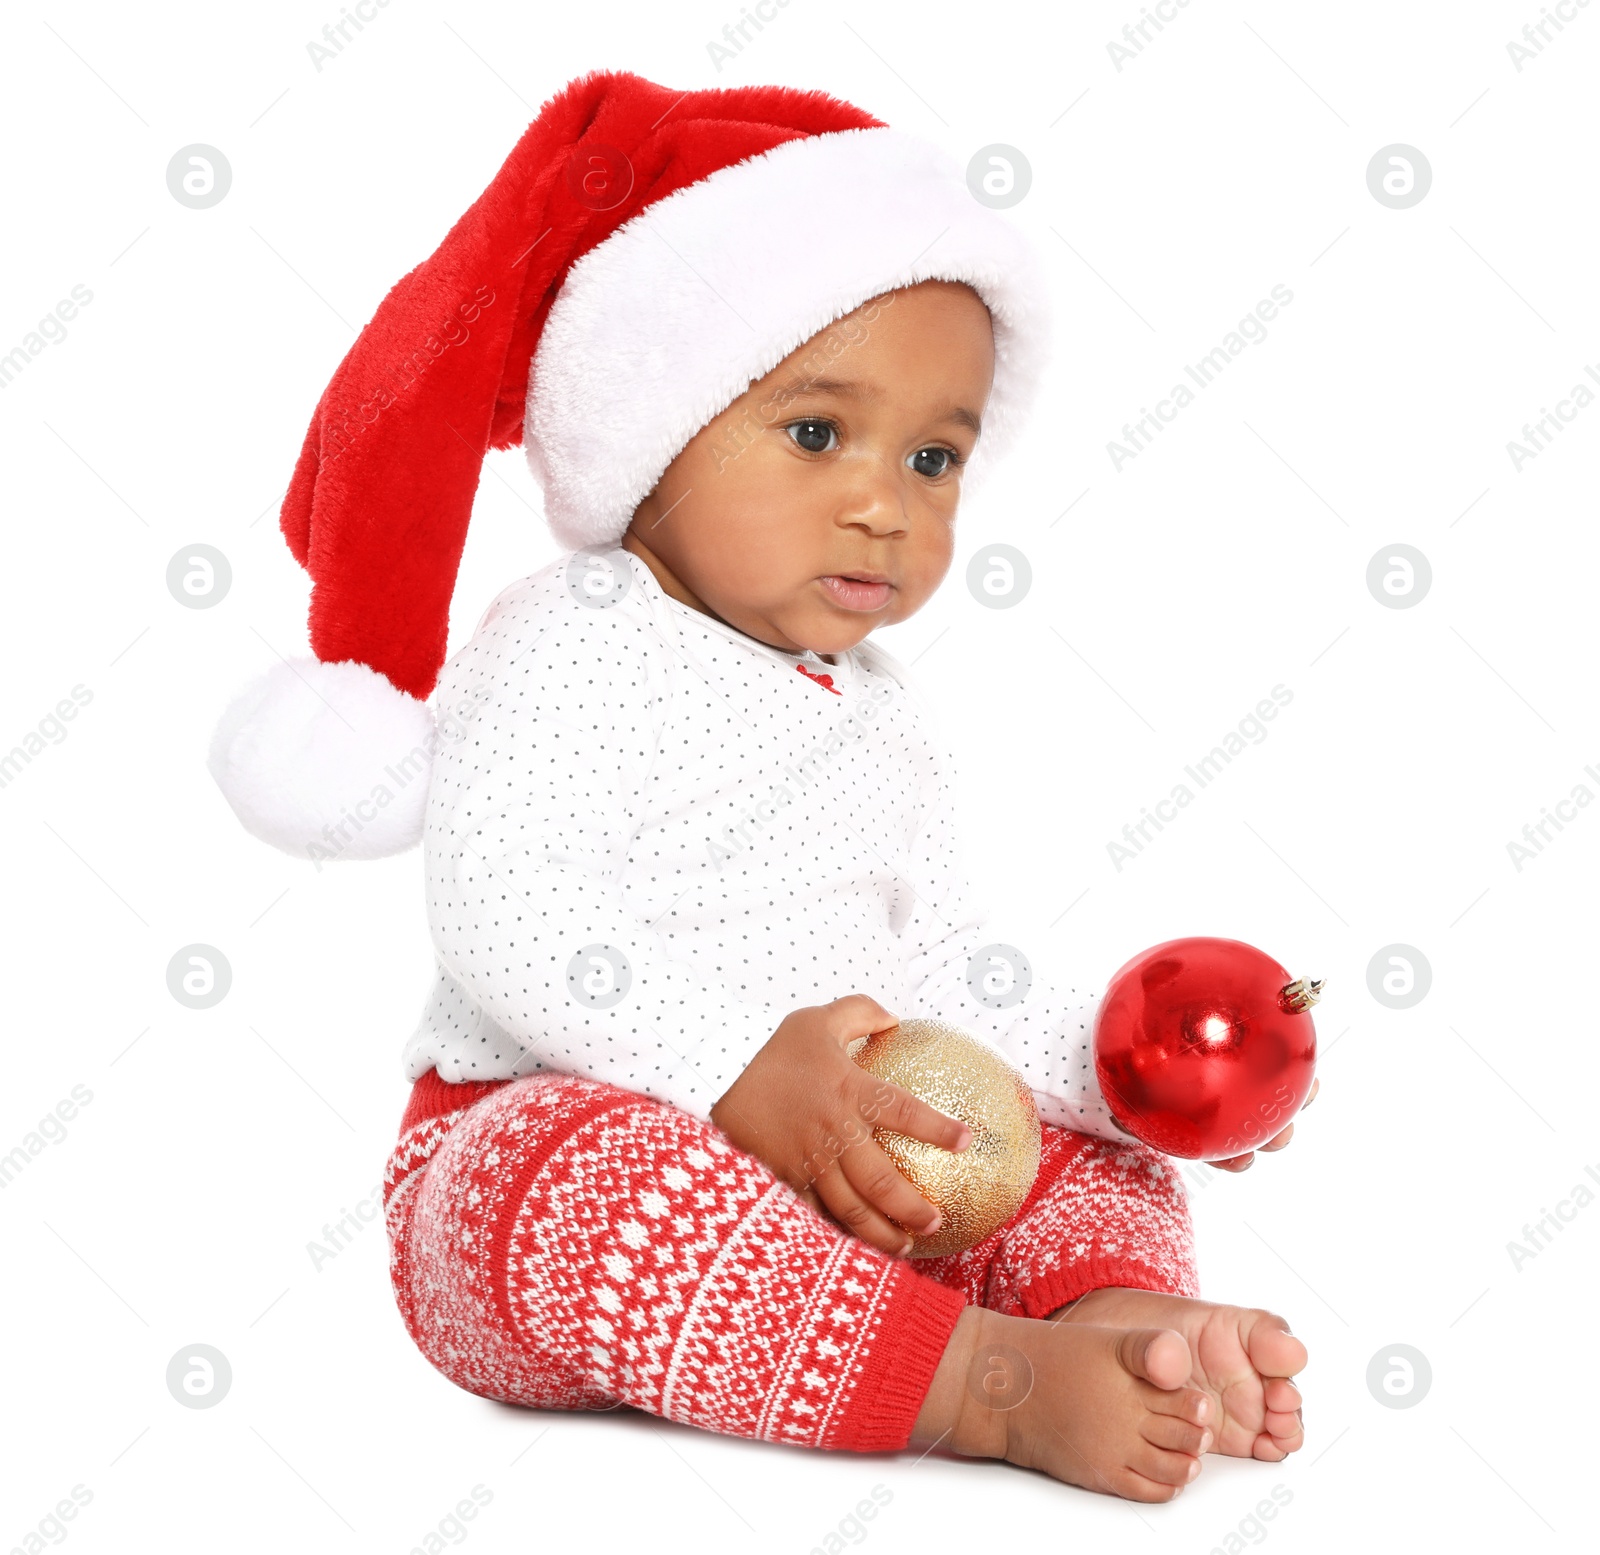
pixel 650 837
pixel 562 1243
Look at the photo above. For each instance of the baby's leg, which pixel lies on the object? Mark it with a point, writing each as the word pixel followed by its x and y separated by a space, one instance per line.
pixel 564 1244
pixel 1105 1239
pixel 1101 1213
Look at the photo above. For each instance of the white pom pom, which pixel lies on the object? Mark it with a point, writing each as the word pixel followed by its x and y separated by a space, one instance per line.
pixel 326 761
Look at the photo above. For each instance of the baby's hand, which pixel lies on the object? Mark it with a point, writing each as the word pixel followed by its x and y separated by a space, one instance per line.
pixel 805 1110
pixel 1237 1163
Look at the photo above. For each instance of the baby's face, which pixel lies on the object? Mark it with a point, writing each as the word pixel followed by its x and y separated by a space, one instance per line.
pixel 822 502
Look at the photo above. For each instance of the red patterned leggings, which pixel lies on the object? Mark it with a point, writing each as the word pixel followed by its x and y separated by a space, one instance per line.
pixel 564 1244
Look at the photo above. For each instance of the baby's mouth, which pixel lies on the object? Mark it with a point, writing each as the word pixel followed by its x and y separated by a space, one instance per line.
pixel 857 592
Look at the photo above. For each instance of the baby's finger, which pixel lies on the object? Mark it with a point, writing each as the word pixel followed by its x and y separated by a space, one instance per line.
pixel 874 1176
pixel 858 1015
pixel 851 1211
pixel 886 1105
pixel 1236 1163
pixel 1311 1095
pixel 811 1199
pixel 1278 1141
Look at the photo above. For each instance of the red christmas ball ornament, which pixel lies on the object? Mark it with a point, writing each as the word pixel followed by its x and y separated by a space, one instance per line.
pixel 1205 1048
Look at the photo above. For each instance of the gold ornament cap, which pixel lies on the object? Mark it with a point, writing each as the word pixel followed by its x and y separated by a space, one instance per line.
pixel 1298 997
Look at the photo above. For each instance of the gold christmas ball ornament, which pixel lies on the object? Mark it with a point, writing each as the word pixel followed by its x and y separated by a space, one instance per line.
pixel 978 1189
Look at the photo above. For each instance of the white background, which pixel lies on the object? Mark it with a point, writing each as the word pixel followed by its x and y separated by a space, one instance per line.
pixel 1168 598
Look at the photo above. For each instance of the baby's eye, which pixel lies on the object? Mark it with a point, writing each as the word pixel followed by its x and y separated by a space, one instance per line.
pixel 934 461
pixel 813 435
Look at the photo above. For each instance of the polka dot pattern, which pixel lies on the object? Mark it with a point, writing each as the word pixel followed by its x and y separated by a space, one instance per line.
pixel 638 794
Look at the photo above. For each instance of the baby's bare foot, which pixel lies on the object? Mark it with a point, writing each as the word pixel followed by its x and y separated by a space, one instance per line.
pixel 1104 1408
pixel 1243 1357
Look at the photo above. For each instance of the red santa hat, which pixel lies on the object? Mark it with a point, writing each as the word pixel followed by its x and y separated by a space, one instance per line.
pixel 641 258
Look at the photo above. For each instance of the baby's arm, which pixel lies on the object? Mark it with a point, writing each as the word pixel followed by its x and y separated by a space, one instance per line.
pixel 530 816
pixel 807 1110
pixel 1048 1034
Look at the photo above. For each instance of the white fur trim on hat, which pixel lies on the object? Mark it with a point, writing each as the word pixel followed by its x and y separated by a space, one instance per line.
pixel 661 327
pixel 326 761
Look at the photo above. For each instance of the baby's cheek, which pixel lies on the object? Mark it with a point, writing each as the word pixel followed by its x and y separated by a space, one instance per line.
pixel 930 559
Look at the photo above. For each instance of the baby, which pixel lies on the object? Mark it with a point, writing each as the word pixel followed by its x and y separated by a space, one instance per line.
pixel 689 831
pixel 692 802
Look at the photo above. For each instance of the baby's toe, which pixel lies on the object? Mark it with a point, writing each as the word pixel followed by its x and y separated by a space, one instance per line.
pixel 1159 1356
pixel 1176 1434
pixel 1269 1449
pixel 1273 1350
pixel 1281 1395
pixel 1165 1468
pixel 1189 1404
pixel 1132 1486
pixel 1286 1430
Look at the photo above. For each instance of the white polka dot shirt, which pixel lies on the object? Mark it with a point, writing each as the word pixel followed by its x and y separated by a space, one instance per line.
pixel 650 837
